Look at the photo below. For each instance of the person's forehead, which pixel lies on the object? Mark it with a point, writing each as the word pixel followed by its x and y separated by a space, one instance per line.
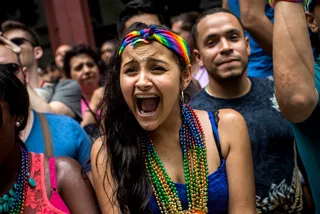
pixel 142 52
pixel 63 48
pixel 81 58
pixel 7 55
pixel 146 18
pixel 177 26
pixel 16 33
pixel 107 45
pixel 218 23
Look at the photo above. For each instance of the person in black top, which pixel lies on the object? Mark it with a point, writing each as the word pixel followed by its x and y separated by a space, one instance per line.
pixel 222 48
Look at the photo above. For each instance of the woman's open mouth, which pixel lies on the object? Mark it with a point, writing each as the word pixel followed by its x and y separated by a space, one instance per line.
pixel 147 104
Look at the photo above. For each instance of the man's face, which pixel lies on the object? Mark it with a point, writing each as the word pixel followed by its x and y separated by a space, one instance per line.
pixel 60 53
pixel 8 56
pixel 177 27
pixel 23 40
pixel 107 50
pixel 146 18
pixel 222 47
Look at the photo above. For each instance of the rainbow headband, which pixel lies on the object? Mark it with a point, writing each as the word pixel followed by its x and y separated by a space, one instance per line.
pixel 164 37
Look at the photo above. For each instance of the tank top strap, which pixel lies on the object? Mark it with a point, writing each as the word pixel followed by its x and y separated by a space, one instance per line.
pixel 214 126
pixel 53 174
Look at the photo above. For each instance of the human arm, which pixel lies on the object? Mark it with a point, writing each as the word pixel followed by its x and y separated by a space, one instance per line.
pixel 293 63
pixel 74 187
pixel 255 21
pixel 103 182
pixel 66 98
pixel 239 163
pixel 37 103
pixel 95 104
pixel 62 109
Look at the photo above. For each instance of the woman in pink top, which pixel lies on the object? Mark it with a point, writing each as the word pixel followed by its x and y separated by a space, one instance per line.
pixel 34 183
pixel 82 64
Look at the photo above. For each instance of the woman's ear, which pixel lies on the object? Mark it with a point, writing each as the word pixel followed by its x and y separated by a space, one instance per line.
pixel 311 21
pixel 186 77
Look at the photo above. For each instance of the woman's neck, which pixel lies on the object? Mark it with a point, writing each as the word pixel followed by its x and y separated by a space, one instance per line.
pixel 168 132
pixel 87 95
pixel 10 168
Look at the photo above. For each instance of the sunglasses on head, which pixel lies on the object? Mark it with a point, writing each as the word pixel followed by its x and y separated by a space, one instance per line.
pixel 11 67
pixel 19 41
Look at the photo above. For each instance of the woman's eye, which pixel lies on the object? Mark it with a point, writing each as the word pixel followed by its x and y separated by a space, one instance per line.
pixel 79 67
pixel 130 70
pixel 158 68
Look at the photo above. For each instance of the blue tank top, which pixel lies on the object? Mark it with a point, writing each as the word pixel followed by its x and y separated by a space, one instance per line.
pixel 217 184
pixel 260 63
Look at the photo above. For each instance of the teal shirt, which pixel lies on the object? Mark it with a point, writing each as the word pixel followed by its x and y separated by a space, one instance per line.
pixel 307 136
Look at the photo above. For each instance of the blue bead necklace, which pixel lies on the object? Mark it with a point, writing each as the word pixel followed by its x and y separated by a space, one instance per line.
pixel 13 201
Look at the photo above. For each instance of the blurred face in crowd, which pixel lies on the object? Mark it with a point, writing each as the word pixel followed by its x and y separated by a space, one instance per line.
pixel 84 69
pixel 146 18
pixel 107 50
pixel 51 75
pixel 7 56
pixel 177 27
pixel 151 81
pixel 60 53
pixel 222 46
pixel 30 53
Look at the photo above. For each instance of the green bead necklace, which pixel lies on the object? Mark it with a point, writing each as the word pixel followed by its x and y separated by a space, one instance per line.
pixel 192 141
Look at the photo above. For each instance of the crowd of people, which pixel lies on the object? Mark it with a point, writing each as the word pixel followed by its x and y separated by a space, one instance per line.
pixel 215 113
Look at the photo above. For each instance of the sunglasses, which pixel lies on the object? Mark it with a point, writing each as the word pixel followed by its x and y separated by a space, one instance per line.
pixel 11 67
pixel 19 41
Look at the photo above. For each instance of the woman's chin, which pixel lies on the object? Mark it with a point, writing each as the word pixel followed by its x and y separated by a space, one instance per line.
pixel 148 125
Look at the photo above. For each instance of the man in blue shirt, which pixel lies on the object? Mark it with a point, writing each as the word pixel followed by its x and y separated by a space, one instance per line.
pixel 68 138
pixel 257 18
pixel 297 81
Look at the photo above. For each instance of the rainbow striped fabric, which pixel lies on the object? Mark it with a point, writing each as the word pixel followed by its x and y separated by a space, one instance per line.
pixel 164 37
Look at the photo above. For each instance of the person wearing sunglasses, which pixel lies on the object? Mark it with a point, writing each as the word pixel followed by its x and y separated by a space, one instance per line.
pixel 67 137
pixel 61 98
pixel 31 51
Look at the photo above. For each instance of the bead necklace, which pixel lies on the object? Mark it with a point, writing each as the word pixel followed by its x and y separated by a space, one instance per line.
pixel 13 201
pixel 192 141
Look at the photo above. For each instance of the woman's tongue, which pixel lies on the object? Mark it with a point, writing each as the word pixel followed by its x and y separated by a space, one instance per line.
pixel 149 104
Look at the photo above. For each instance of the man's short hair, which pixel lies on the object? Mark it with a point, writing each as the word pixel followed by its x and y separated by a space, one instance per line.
pixel 137 7
pixel 14 25
pixel 205 14
pixel 188 20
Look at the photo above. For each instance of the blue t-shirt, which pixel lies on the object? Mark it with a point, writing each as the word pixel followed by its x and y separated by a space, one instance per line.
pixel 260 63
pixel 68 139
pixel 308 142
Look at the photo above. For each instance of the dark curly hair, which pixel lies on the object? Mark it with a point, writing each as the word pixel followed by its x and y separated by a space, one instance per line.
pixel 122 140
pixel 78 50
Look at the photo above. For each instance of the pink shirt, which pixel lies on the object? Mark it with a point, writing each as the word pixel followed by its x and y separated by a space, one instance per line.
pixel 84 107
